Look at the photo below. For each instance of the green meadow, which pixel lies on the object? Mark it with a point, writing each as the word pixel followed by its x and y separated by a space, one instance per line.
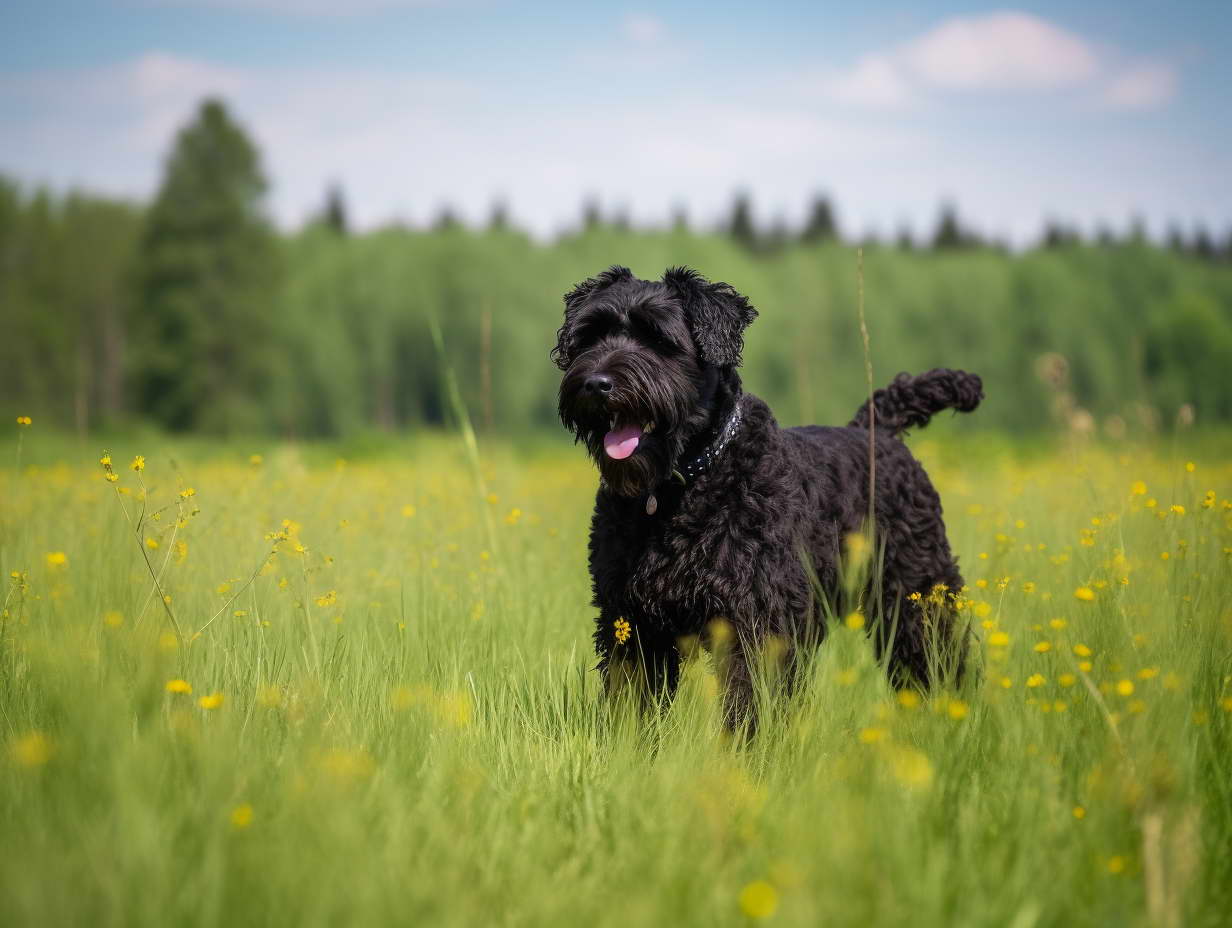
pixel 291 685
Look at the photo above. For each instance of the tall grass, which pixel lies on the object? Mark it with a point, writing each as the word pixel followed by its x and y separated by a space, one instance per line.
pixel 441 754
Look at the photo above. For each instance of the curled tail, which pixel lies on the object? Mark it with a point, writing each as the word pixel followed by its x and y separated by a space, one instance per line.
pixel 909 402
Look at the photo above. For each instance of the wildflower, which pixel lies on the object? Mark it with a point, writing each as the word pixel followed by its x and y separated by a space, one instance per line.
pixel 24 421
pixel 1057 624
pixel 982 610
pixel 1042 647
pixel 956 709
pixel 1085 666
pixel 1178 509
pixel 138 463
pixel 854 621
pixel 981 584
pixel 256 460
pixel 759 899
pixel 1148 673
pixel 56 559
pixel 408 511
pixel 178 686
pixel 1036 679
pixel 1082 650
pixel 1084 593
pixel 31 750
pixel 113 619
pixel 1006 683
pixel 105 460
pixel 1080 813
pixel 910 767
pixel 623 630
pixel 514 515
pixel 1138 488
pixel 873 735
pixel 847 677
pixel 152 544
pixel 187 493
pixel 1059 706
pixel 327 600
pixel 212 701
pixel 241 816
pixel 1067 679
pixel 1116 864
pixel 908 699
pixel 1028 587
pixel 1190 467
pixel 1125 687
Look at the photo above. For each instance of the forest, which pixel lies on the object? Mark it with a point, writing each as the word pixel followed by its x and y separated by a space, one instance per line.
pixel 194 313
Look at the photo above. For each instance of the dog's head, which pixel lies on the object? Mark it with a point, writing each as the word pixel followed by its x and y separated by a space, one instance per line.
pixel 643 364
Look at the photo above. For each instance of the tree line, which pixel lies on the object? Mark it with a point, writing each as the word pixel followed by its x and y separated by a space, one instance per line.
pixel 194 313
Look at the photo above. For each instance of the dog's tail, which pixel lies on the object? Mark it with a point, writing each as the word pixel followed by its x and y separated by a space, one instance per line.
pixel 909 402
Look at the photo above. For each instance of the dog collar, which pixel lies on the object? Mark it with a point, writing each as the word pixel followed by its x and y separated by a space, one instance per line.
pixel 688 472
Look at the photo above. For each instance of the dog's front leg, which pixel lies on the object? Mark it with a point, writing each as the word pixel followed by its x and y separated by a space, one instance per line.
pixel 643 665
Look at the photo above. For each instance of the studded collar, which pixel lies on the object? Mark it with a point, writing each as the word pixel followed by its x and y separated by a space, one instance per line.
pixel 689 471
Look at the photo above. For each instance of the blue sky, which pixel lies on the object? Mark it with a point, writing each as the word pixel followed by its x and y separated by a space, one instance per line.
pixel 1085 112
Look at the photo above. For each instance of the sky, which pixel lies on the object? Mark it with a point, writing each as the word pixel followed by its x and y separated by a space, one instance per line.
pixel 1086 113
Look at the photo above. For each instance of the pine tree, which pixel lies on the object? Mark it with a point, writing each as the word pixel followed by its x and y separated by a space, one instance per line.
pixel 949 233
pixel 740 227
pixel 334 216
pixel 820 225
pixel 204 331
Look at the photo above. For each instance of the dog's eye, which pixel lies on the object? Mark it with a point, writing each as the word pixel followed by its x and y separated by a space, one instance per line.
pixel 650 336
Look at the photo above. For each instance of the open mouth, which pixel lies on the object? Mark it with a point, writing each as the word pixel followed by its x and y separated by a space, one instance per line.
pixel 621 442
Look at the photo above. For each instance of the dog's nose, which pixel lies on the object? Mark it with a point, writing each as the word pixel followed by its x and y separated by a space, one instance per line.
pixel 599 383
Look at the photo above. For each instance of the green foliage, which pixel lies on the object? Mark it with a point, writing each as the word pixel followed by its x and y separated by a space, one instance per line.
pixel 203 332
pixel 222 326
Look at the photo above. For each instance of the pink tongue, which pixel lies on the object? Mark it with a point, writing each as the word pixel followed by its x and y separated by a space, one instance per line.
pixel 620 443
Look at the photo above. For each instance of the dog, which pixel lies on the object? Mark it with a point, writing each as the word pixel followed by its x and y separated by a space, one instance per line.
pixel 712 522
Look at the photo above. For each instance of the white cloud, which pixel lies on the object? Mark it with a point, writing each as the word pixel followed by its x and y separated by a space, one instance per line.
pixel 1000 51
pixel 1141 86
pixel 1005 52
pixel 875 81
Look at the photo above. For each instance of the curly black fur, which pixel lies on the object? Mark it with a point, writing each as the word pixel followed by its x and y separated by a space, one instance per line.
pixel 757 539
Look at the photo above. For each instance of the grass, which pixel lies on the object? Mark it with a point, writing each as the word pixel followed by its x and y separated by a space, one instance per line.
pixel 399 725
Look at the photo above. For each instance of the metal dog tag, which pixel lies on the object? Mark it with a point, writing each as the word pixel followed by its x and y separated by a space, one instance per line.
pixel 652 505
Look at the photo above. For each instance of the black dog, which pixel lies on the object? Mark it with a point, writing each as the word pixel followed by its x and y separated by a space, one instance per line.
pixel 708 511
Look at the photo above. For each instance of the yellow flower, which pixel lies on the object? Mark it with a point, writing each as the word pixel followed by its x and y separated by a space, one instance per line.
pixel 23 420
pixel 256 460
pixel 854 621
pixel 31 750
pixel 113 619
pixel 152 544
pixel 1085 666
pixel 623 630
pixel 908 699
pixel 1082 650
pixel 1080 813
pixel 329 599
pixel 957 710
pixel 1148 673
pixel 187 492
pixel 514 515
pixel 1006 683
pixel 759 899
pixel 1057 624
pixel 178 686
pixel 1042 647
pixel 1138 488
pixel 1116 864
pixel 1178 509
pixel 999 639
pixel 1125 687
pixel 56 559
pixel 1036 679
pixel 1189 466
pixel 873 735
pixel 1084 593
pixel 105 460
pixel 241 816
pixel 1028 587
pixel 846 677
pixel 1067 679
pixel 212 701
pixel 138 463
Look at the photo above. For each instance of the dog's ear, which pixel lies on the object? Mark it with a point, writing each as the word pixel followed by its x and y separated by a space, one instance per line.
pixel 575 299
pixel 716 314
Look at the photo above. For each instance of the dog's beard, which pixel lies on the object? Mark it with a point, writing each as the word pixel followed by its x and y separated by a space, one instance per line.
pixel 648 394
